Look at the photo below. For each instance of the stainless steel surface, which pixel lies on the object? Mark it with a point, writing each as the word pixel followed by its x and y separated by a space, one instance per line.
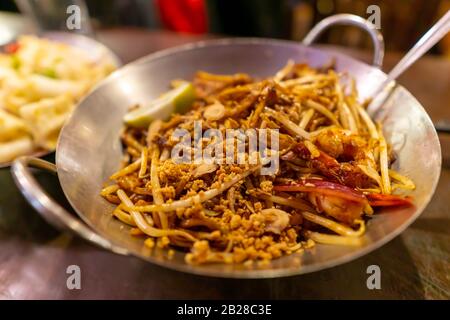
pixel 52 212
pixel 95 50
pixel 425 43
pixel 89 150
pixel 350 20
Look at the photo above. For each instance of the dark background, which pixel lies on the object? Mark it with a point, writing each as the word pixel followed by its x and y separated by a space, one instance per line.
pixel 287 19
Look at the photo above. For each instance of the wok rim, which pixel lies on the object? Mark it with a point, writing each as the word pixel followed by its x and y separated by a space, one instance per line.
pixel 262 273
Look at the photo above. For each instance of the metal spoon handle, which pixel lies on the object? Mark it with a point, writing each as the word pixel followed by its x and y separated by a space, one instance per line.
pixel 428 40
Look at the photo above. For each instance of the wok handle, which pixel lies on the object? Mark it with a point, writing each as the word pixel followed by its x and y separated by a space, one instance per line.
pixel 50 210
pixel 350 20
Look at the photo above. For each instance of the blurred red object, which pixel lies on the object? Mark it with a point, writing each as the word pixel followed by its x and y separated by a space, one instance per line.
pixel 183 15
pixel 12 48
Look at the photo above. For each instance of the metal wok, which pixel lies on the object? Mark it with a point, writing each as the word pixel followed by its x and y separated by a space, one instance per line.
pixel 89 149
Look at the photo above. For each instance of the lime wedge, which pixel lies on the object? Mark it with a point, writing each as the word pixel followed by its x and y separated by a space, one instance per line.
pixel 177 100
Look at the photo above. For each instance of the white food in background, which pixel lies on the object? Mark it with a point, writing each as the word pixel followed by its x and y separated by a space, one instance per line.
pixel 11 127
pixel 40 85
pixel 12 149
pixel 46 117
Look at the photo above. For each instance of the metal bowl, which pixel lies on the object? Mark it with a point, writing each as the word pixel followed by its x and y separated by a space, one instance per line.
pixel 89 150
pixel 96 51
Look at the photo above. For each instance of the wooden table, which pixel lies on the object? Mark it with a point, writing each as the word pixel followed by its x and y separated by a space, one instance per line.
pixel 415 265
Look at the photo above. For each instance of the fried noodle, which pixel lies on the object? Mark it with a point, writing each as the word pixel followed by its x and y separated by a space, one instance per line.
pixel 334 165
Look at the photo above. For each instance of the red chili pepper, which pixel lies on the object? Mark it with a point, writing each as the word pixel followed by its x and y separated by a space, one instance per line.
pixel 12 48
pixel 324 187
pixel 338 190
pixel 388 200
